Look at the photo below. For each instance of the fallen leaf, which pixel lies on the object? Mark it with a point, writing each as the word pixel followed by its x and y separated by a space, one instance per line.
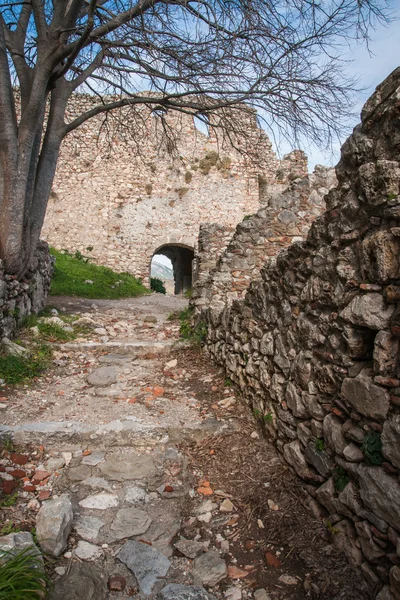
pixel 272 560
pixel 236 573
pixel 206 491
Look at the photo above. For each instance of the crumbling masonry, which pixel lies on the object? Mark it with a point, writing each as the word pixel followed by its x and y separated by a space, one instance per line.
pixel 314 342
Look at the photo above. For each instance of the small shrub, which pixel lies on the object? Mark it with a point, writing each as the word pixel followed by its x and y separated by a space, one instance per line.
pixel 195 334
pixel 6 442
pixel 224 163
pixel 188 177
pixel 320 445
pixel 268 418
pixel 149 188
pixel 22 575
pixel 157 285
pixel 340 478
pixel 228 382
pixel 372 448
pixel 188 293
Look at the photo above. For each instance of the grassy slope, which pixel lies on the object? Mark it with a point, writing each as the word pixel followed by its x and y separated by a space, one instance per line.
pixel 70 274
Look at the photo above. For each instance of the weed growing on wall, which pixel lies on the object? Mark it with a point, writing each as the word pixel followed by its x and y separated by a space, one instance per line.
pixel 372 447
pixel 195 334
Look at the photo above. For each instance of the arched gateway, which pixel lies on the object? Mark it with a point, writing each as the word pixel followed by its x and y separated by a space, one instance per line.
pixel 181 257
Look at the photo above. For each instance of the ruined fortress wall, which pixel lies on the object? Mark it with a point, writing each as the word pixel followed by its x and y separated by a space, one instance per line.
pixel 314 347
pixel 285 217
pixel 124 190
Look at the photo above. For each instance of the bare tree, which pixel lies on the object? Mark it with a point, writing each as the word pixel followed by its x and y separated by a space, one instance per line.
pixel 203 57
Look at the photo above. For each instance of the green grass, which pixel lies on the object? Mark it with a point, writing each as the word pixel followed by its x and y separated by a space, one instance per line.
pixel 22 575
pixel 18 369
pixel 70 274
pixel 7 501
pixel 52 331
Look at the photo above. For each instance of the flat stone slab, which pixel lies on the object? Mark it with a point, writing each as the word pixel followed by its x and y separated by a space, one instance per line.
pixel 177 591
pixel 129 522
pixel 100 501
pixel 189 548
pixel 122 467
pixel 209 568
pixel 88 528
pixel 103 376
pixel 97 482
pixel 148 565
pixel 135 494
pixel 84 581
pixel 87 551
pixel 115 359
pixel 93 459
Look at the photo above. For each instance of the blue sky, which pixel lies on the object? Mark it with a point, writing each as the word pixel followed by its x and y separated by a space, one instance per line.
pixel 371 68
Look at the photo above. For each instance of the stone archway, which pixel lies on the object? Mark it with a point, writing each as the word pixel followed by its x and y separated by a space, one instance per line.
pixel 181 257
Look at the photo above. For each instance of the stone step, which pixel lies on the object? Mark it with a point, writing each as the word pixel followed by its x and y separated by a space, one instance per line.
pixel 69 435
pixel 136 347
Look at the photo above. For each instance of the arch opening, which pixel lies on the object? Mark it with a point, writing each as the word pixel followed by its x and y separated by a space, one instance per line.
pixel 180 258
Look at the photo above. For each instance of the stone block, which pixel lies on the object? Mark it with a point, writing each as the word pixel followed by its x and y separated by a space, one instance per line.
pixel 366 397
pixel 391 440
pixel 53 525
pixel 368 310
pixel 380 492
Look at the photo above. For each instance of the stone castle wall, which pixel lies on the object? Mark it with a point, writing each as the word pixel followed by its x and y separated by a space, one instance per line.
pixel 314 347
pixel 124 190
pixel 284 218
pixel 18 299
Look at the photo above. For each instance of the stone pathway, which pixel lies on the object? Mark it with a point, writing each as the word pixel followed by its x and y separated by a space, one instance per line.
pixel 147 478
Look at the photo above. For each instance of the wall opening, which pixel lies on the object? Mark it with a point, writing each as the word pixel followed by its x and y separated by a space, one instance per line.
pixel 180 258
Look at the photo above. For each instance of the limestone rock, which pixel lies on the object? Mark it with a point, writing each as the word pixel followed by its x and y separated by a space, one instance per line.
pixel 122 467
pixel 88 527
pixel 13 349
pixel 353 453
pixel 53 525
pixel 345 541
pixel 146 563
pixel 386 350
pixel 102 376
pixel 319 460
pixel 177 591
pixel 15 542
pixel 368 310
pixel 261 594
pixel 84 580
pixel 100 501
pixel 97 482
pixel 391 440
pixel 209 568
pixel 369 399
pixel 293 453
pixel 189 548
pixel 87 551
pixel 93 459
pixel 135 494
pixel 129 522
pixel 380 493
pixel 333 434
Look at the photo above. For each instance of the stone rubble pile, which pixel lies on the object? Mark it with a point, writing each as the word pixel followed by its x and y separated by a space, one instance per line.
pixel 314 347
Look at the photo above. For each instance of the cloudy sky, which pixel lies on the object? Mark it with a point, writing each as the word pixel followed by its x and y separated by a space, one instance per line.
pixel 371 68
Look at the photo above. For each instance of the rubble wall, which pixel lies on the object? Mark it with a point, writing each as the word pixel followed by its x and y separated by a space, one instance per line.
pixel 128 186
pixel 19 299
pixel 314 347
pixel 285 217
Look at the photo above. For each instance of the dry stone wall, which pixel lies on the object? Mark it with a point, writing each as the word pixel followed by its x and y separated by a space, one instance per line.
pixel 314 347
pixel 18 299
pixel 128 186
pixel 285 217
